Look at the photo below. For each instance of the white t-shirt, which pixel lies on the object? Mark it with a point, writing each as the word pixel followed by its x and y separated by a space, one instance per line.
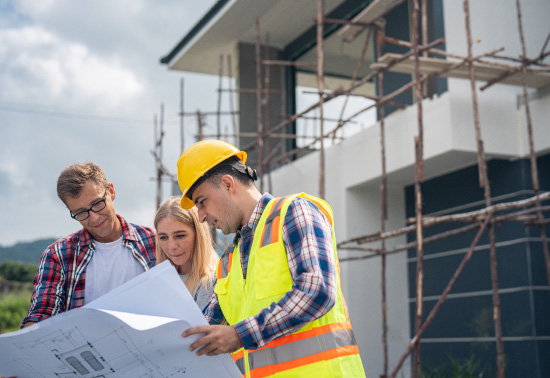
pixel 111 265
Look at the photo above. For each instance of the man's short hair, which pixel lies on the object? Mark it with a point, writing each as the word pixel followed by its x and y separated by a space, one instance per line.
pixel 74 177
pixel 233 167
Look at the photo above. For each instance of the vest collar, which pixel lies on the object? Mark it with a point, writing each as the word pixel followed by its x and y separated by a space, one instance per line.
pixel 250 226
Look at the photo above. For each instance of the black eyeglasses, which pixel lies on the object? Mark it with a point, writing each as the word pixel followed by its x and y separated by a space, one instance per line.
pixel 96 208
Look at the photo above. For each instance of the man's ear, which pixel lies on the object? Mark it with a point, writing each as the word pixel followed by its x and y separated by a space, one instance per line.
pixel 227 182
pixel 112 191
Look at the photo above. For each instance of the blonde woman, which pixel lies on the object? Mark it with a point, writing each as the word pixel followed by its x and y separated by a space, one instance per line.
pixel 187 243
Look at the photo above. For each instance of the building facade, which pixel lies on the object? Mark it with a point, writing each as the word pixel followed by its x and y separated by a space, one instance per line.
pixel 353 168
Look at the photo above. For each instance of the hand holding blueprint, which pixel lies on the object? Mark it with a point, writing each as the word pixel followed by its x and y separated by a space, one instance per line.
pixel 133 331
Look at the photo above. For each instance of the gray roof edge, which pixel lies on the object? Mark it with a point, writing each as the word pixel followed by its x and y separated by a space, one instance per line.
pixel 212 12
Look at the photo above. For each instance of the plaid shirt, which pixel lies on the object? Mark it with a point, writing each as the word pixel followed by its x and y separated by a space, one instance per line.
pixel 61 275
pixel 307 236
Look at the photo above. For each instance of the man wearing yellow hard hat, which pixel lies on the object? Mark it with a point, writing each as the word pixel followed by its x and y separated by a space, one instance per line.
pixel 277 303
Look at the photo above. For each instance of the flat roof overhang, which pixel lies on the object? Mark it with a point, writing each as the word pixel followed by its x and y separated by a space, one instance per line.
pixel 291 27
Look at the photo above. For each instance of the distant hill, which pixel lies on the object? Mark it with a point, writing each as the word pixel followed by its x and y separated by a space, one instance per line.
pixel 27 252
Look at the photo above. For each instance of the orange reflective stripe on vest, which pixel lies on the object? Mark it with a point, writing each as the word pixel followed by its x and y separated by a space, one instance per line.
pixel 303 348
pixel 335 327
pixel 238 357
pixel 304 361
pixel 224 265
pixel 272 224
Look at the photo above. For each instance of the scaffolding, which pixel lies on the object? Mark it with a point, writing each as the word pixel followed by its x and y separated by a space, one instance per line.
pixel 423 63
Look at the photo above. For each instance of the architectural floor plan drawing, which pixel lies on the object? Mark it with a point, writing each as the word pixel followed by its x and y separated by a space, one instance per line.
pixel 94 342
pixel 78 355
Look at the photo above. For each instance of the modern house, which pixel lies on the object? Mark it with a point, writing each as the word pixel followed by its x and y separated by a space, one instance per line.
pixel 463 327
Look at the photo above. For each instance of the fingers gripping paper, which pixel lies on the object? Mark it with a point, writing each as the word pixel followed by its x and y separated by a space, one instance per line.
pixel 132 331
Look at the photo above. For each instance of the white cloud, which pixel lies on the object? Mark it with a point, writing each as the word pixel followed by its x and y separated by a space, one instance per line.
pixel 94 58
pixel 39 63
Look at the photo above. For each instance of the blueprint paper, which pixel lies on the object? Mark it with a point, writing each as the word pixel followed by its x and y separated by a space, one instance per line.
pixel 158 291
pixel 125 333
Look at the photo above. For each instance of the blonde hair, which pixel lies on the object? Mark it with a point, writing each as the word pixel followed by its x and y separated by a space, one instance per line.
pixel 204 260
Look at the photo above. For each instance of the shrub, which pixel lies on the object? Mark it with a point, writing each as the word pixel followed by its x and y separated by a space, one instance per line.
pixel 469 368
pixel 13 308
pixel 17 271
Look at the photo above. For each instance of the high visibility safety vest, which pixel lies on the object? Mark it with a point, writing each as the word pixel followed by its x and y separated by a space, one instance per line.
pixel 325 347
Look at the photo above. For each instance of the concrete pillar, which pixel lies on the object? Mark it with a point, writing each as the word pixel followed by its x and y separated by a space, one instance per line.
pixel 272 109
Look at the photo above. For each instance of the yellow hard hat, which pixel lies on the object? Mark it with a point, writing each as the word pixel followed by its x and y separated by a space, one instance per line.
pixel 199 159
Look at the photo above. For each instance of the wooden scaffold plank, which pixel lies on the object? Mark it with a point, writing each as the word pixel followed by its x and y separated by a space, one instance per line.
pixel 483 72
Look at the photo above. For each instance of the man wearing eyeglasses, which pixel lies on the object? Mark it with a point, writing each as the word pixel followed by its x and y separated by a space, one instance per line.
pixel 104 254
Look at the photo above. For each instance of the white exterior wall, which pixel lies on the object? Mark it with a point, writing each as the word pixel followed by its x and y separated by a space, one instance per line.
pixel 353 167
pixel 494 25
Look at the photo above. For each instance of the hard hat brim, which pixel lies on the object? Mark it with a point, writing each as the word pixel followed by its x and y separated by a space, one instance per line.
pixel 186 203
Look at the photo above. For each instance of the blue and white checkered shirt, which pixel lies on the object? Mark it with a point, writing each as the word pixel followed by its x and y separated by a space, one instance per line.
pixel 307 236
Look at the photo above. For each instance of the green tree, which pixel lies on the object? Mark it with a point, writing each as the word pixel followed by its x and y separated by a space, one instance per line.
pixel 17 271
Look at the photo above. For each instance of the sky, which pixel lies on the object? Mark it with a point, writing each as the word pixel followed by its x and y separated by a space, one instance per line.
pixel 81 81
